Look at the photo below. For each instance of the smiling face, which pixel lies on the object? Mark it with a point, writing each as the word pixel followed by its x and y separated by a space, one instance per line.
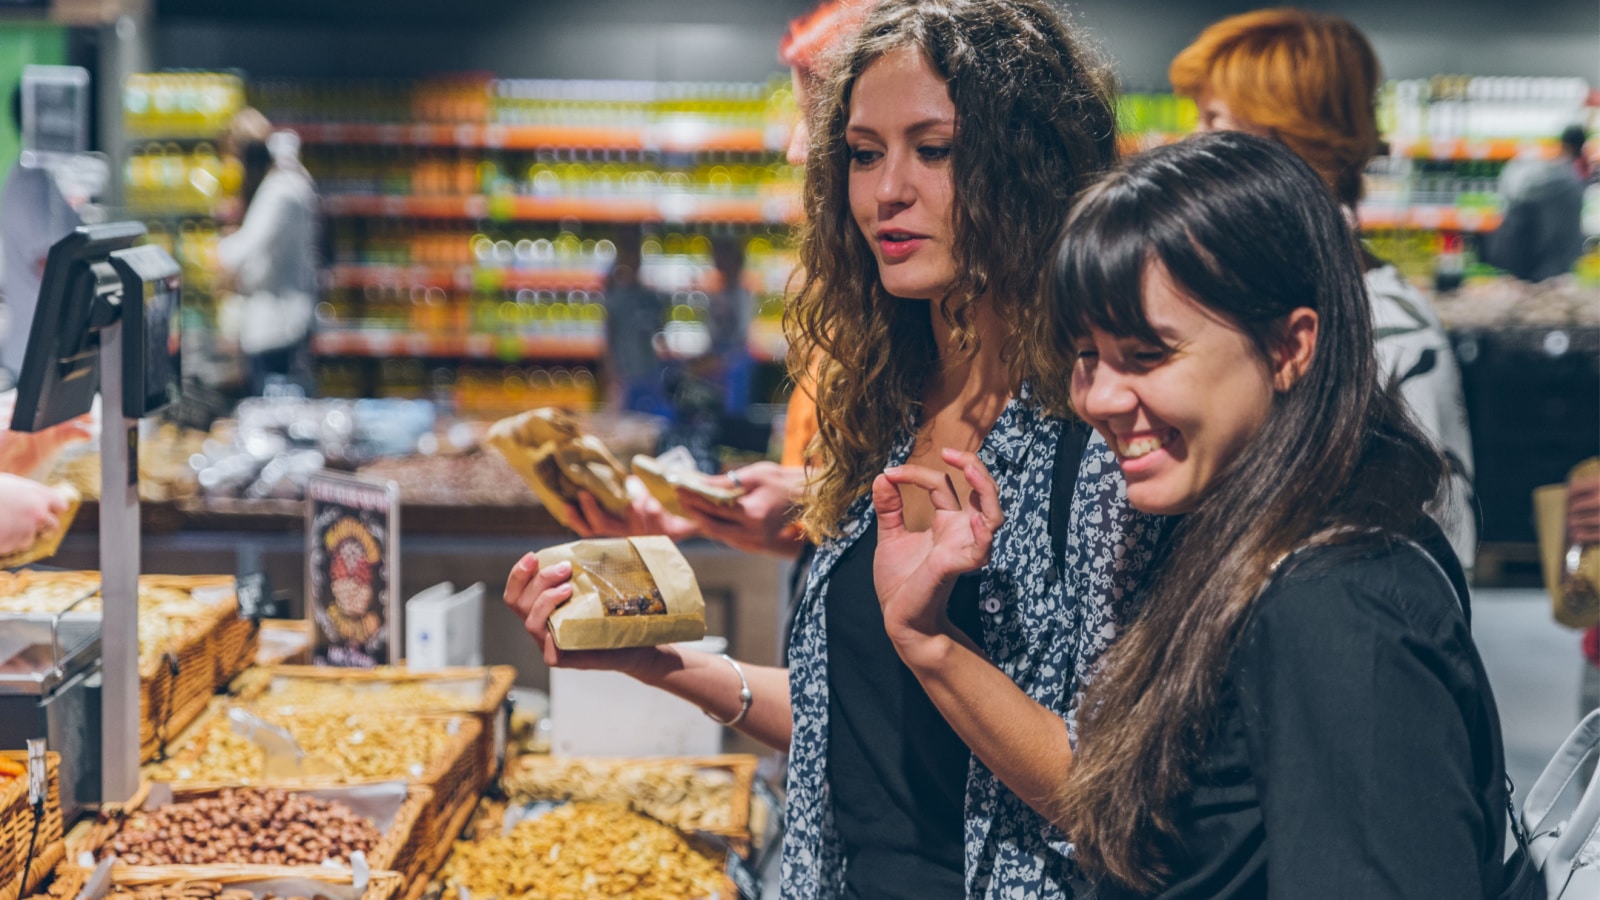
pixel 1175 413
pixel 901 128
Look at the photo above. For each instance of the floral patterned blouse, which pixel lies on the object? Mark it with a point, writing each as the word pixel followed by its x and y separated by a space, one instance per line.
pixel 1043 630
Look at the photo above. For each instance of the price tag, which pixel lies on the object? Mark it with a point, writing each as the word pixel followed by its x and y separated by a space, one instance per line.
pixel 254 591
pixel 744 880
pixel 466 136
pixel 494 137
pixel 422 135
pixel 394 206
pixel 210 596
pixel 479 346
pixel 418 344
pixel 38 782
pixel 389 134
pixel 477 206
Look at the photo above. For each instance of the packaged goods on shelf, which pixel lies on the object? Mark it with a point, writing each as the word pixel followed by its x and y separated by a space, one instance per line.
pixel 180 104
pixel 581 850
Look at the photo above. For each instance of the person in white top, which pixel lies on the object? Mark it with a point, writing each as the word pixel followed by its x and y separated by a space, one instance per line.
pixel 1310 81
pixel 271 258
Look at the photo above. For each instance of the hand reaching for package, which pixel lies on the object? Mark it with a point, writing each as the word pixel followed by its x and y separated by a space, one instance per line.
pixel 23 453
pixel 643 516
pixel 759 521
pixel 914 571
pixel 27 508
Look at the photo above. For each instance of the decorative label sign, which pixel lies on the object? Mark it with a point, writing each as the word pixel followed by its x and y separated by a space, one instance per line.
pixel 353 570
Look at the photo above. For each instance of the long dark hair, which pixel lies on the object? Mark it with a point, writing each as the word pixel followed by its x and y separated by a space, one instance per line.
pixel 1034 125
pixel 1245 228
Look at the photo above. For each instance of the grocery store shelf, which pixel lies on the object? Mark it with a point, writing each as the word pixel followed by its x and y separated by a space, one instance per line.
pixel 464 278
pixel 1472 149
pixel 1431 218
pixel 676 137
pixel 377 343
pixel 667 207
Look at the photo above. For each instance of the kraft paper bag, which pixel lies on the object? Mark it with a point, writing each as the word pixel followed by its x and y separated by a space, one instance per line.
pixel 626 592
pixel 1571 573
pixel 550 452
pixel 663 475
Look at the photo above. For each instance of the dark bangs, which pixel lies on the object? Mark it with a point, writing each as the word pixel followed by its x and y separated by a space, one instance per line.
pixel 1169 207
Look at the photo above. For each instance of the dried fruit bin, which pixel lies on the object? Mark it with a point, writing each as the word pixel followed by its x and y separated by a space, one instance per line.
pixel 479 691
pixel 397 851
pixel 281 880
pixel 450 769
pixel 17 824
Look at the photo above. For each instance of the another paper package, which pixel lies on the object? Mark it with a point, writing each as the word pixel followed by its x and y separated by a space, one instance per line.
pixel 627 592
pixel 663 475
pixel 552 454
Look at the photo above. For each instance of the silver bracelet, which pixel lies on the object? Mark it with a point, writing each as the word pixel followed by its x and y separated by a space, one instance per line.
pixel 745 697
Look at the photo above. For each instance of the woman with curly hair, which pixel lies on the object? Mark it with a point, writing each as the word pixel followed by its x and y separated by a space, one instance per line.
pixel 950 140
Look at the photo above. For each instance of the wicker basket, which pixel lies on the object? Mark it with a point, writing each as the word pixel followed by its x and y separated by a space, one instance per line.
pixel 454 777
pixel 16 829
pixel 399 851
pixel 70 880
pixel 482 692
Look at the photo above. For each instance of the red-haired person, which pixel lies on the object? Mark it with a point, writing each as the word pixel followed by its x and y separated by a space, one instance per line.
pixel 1310 81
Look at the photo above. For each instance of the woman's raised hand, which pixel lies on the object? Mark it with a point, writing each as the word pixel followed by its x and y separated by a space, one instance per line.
pixel 914 571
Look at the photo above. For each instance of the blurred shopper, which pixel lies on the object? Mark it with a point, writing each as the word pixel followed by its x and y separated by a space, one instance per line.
pixel 763 520
pixel 635 313
pixel 947 146
pixel 1298 711
pixel 27 508
pixel 1311 81
pixel 730 308
pixel 271 258
pixel 34 214
pixel 1541 235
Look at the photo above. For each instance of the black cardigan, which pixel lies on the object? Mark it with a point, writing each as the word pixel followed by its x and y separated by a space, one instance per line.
pixel 1357 749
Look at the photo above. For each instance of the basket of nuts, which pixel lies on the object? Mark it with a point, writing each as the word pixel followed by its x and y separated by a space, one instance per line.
pixel 588 850
pixel 436 751
pixel 267 826
pixel 20 828
pixel 224 883
pixel 708 794
pixel 479 691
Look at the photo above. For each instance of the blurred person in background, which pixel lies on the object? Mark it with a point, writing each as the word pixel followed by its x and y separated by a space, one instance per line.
pixel 1541 235
pixel 1310 81
pixel 635 313
pixel 34 215
pixel 730 309
pixel 763 520
pixel 270 259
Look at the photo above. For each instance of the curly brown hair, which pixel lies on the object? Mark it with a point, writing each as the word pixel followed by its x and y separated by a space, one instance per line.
pixel 1034 125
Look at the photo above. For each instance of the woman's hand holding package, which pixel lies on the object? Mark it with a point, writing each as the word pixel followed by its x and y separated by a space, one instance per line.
pixel 1583 510
pixel 534 594
pixel 915 570
pixel 644 516
pixel 760 521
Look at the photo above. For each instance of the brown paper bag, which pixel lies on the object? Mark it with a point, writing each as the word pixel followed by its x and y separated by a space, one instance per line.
pixel 663 482
pixel 1571 573
pixel 626 592
pixel 47 543
pixel 556 459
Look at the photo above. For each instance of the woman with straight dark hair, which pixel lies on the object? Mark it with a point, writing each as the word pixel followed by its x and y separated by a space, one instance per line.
pixel 1298 709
